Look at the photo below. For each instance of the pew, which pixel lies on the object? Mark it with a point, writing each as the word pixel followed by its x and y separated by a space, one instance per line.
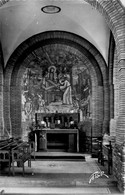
pixel 5 142
pixel 20 154
pixel 15 150
pixel 5 152
pixel 5 159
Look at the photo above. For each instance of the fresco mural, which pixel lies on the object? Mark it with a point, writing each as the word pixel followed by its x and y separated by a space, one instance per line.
pixel 55 83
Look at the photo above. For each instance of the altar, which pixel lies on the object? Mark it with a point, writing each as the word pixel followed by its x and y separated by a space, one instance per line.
pixel 57 132
pixel 57 140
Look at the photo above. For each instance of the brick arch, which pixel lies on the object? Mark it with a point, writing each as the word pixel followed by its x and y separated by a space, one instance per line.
pixel 97 87
pixel 94 60
pixel 113 13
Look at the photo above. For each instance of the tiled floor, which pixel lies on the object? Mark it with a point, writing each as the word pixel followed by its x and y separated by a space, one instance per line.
pixel 58 177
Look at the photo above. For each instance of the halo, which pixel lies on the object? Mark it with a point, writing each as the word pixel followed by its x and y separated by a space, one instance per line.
pixel 52 67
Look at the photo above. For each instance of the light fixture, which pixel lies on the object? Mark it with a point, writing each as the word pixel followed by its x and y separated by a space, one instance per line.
pixel 51 9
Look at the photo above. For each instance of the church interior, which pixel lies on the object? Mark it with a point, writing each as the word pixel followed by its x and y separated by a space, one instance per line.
pixel 62 85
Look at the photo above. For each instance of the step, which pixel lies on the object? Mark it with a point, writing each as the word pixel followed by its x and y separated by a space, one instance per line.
pixel 57 191
pixel 59 155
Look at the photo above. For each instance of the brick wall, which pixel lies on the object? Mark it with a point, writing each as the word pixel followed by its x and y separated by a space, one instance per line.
pixel 119 165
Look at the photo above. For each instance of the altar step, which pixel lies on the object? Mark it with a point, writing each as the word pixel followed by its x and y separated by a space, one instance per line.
pixel 63 156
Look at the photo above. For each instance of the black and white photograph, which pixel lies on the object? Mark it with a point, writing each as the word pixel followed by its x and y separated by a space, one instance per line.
pixel 62 97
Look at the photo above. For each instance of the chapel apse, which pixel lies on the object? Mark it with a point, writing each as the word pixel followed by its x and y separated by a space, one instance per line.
pixel 56 80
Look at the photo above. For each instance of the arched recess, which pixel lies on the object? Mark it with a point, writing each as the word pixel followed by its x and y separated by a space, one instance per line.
pixel 92 59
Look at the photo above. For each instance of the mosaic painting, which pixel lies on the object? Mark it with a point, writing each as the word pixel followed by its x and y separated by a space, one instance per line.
pixel 55 83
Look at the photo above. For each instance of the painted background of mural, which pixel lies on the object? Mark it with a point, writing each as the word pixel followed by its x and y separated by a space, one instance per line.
pixel 56 81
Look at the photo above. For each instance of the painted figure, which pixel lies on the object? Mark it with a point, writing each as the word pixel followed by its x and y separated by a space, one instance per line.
pixel 52 73
pixel 66 86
